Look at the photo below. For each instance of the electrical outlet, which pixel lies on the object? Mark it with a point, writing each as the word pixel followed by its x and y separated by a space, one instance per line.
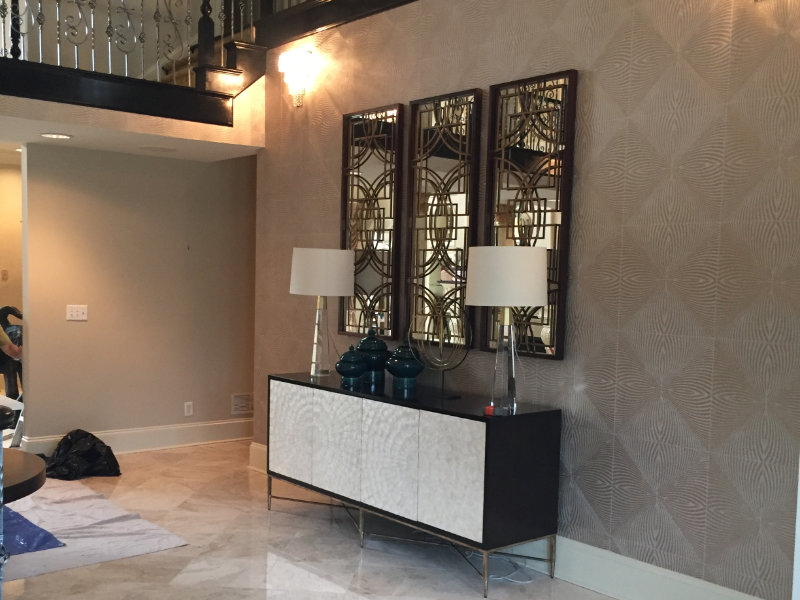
pixel 188 409
pixel 241 404
pixel 77 312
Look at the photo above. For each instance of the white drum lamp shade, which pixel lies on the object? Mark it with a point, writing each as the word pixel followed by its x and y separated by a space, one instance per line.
pixel 322 272
pixel 507 276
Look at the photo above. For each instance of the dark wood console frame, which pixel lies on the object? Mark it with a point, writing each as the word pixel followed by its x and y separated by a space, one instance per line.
pixel 520 478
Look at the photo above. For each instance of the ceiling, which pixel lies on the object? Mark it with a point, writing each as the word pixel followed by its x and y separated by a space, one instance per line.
pixel 16 131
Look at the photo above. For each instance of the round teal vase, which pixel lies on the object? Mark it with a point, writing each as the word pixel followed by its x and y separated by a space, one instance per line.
pixel 404 366
pixel 374 352
pixel 351 367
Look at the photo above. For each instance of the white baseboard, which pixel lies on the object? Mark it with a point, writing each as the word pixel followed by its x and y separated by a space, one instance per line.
pixel 258 457
pixel 620 577
pixel 152 438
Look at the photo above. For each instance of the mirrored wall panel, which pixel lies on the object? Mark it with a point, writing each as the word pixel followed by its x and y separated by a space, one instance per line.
pixel 444 176
pixel 529 183
pixel 371 155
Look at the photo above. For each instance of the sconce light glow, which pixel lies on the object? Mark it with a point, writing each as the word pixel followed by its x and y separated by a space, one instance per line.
pixel 299 68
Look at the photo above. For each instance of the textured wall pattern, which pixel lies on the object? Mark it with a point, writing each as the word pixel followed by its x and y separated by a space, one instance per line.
pixel 680 380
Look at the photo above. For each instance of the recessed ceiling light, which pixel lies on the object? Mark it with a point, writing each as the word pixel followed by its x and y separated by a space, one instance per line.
pixel 57 136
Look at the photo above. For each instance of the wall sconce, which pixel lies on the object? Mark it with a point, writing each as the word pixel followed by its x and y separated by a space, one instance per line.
pixel 299 70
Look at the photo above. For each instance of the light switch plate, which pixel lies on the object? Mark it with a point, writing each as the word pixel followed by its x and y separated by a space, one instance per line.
pixel 77 312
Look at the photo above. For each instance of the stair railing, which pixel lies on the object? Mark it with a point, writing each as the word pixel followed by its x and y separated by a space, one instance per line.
pixel 157 40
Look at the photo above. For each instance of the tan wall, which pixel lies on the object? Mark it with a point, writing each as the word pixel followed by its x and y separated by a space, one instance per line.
pixel 11 234
pixel 161 251
pixel 680 382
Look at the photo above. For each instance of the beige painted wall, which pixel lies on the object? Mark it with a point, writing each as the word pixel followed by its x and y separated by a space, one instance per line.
pixel 11 232
pixel 161 251
pixel 680 381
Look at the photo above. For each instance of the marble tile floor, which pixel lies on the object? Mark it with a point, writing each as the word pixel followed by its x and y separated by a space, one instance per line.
pixel 239 550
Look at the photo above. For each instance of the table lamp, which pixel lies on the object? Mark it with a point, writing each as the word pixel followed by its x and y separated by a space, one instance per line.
pixel 506 276
pixel 322 272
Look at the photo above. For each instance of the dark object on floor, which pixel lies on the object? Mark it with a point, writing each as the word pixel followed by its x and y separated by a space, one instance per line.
pixel 11 369
pixel 7 418
pixel 82 454
pixel 21 536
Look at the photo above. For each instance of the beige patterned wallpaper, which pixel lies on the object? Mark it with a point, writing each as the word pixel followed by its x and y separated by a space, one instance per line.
pixel 682 369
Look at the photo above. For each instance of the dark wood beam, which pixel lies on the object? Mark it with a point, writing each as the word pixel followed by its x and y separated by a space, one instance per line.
pixel 98 90
pixel 310 17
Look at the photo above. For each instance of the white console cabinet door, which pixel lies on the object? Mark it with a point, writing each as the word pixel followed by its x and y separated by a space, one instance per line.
pixel 451 475
pixel 389 458
pixel 290 430
pixel 336 465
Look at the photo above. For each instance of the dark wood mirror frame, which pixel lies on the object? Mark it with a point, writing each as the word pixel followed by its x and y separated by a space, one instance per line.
pixel 444 152
pixel 372 151
pixel 528 197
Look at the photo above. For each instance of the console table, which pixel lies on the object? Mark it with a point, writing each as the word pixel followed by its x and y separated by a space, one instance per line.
pixel 434 463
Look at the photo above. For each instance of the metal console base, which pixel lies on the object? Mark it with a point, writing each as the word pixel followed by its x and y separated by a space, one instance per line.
pixel 456 545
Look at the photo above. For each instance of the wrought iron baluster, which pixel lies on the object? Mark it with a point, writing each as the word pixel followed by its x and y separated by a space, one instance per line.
pixel 40 23
pixel 231 20
pixel 188 21
pixel 109 34
pixel 72 23
pixel 170 47
pixel 16 51
pixel 27 22
pixel 142 38
pixel 92 6
pixel 241 22
pixel 125 35
pixel 58 32
pixel 157 19
pixel 3 15
pixel 222 20
pixel 72 33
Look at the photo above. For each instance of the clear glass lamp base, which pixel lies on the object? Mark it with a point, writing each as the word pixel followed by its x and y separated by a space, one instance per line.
pixel 321 350
pixel 504 385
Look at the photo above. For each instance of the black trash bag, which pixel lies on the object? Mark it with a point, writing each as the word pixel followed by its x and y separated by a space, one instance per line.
pixel 82 454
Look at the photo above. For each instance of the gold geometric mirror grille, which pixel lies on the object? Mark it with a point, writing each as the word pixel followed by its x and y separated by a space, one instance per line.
pixel 371 153
pixel 443 195
pixel 529 184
